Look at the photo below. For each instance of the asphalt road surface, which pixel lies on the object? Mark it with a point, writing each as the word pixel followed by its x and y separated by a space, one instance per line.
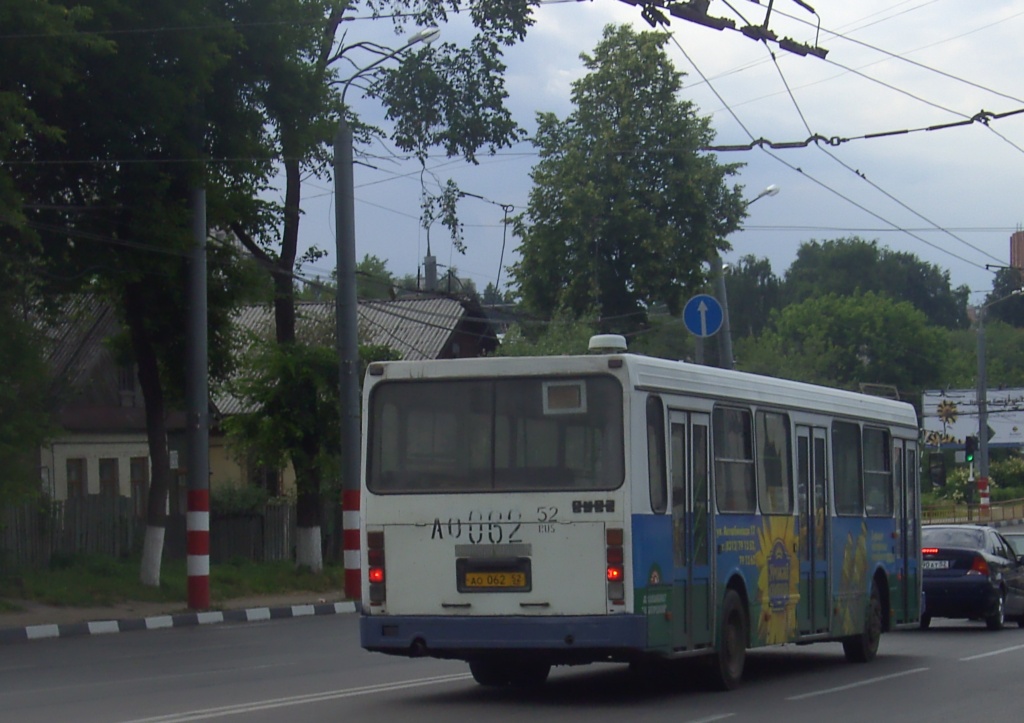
pixel 312 669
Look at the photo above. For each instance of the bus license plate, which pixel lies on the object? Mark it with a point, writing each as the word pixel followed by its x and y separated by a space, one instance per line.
pixel 505 574
pixel 495 580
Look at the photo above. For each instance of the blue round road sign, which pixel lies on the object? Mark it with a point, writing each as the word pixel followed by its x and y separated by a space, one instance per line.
pixel 703 315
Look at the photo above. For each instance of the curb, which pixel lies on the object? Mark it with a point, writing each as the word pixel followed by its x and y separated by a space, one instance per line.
pixel 158 622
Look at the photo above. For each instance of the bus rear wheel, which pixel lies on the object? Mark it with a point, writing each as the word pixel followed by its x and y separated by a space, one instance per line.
pixel 864 647
pixel 493 672
pixel 727 670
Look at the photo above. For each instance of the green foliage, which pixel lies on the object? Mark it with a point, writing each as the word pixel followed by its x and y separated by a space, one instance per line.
pixel 1008 473
pixel 373 280
pixel 849 266
pixel 1006 304
pixel 625 207
pixel 294 389
pixel 665 337
pixel 24 407
pixel 754 291
pixel 843 341
pixel 228 500
pixel 89 580
pixel 564 335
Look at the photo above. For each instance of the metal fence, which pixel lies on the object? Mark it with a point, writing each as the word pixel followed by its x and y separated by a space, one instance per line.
pixel 950 513
pixel 31 534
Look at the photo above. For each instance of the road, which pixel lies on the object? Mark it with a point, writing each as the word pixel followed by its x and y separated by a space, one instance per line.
pixel 312 669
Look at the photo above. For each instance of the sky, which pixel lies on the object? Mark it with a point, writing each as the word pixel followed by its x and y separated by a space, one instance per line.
pixel 952 196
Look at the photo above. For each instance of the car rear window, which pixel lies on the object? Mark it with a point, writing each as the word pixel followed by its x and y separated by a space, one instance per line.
pixel 952 537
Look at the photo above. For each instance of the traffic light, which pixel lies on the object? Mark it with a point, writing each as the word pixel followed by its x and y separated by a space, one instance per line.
pixel 970 444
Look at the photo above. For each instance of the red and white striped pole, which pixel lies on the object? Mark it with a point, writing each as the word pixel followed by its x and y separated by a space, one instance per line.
pixel 983 498
pixel 350 540
pixel 198 549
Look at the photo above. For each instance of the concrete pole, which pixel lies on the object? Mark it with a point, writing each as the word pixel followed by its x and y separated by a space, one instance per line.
pixel 197 529
pixel 348 355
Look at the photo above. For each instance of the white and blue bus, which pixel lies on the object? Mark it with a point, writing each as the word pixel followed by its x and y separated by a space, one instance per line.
pixel 519 513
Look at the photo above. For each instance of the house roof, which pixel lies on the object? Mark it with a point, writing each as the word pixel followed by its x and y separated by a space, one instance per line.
pixel 417 328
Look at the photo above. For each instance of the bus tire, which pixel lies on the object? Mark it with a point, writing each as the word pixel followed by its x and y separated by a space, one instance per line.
pixel 926 620
pixel 529 674
pixel 488 672
pixel 732 643
pixel 863 648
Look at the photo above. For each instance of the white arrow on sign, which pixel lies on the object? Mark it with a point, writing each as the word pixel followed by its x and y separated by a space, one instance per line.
pixel 703 309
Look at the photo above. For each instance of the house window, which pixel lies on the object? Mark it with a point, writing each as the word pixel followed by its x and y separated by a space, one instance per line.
pixel 77 481
pixel 109 483
pixel 139 471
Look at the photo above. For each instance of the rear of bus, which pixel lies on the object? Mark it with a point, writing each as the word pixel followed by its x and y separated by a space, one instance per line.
pixel 494 515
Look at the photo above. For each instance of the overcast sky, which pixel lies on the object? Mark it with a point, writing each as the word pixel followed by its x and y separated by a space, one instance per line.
pixel 951 196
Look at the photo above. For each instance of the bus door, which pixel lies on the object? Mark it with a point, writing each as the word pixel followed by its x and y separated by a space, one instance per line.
pixel 692 578
pixel 812 493
pixel 905 463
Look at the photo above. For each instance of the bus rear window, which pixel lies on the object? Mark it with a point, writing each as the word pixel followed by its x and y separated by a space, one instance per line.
pixel 477 435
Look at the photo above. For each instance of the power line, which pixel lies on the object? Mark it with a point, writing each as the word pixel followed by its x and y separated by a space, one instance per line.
pixel 807 175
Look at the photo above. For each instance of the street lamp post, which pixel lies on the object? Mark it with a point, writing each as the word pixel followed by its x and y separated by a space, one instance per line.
pixel 347 324
pixel 725 345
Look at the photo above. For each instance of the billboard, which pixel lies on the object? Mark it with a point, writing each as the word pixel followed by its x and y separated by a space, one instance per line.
pixel 950 415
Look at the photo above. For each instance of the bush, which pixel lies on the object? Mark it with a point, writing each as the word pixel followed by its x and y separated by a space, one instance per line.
pixel 238 500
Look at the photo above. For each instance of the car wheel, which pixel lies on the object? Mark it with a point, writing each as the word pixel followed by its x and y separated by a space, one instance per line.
pixel 926 620
pixel 996 620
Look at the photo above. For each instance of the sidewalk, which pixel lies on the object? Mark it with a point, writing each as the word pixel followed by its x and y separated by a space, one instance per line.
pixel 35 620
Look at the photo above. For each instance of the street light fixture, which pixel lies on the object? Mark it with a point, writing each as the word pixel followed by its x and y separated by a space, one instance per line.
pixel 346 311
pixel 725 346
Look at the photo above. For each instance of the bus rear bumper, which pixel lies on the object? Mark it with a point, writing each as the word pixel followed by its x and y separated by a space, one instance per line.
pixel 562 639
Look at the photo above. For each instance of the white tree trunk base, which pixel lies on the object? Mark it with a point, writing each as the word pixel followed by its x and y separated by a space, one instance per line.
pixel 308 550
pixel 152 554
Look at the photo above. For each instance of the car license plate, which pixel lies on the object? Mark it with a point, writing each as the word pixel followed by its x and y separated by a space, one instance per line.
pixel 935 564
pixel 495 580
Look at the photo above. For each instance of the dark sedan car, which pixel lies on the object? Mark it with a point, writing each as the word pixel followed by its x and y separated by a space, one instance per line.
pixel 970 571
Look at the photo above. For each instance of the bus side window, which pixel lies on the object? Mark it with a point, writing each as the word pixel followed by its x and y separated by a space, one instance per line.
pixel 774 472
pixel 734 460
pixel 848 494
pixel 877 473
pixel 656 455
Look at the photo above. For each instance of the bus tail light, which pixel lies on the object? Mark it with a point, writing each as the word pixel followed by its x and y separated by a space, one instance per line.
pixel 375 566
pixel 614 568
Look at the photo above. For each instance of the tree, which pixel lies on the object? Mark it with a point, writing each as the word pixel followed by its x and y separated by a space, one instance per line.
pixel 850 265
pixel 445 96
pixel 844 341
pixel 108 186
pixel 1006 284
pixel 625 209
pixel 563 335
pixel 373 280
pixel 40 56
pixel 24 405
pixel 753 291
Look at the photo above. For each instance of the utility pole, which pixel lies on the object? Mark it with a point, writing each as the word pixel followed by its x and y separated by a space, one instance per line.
pixel 347 328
